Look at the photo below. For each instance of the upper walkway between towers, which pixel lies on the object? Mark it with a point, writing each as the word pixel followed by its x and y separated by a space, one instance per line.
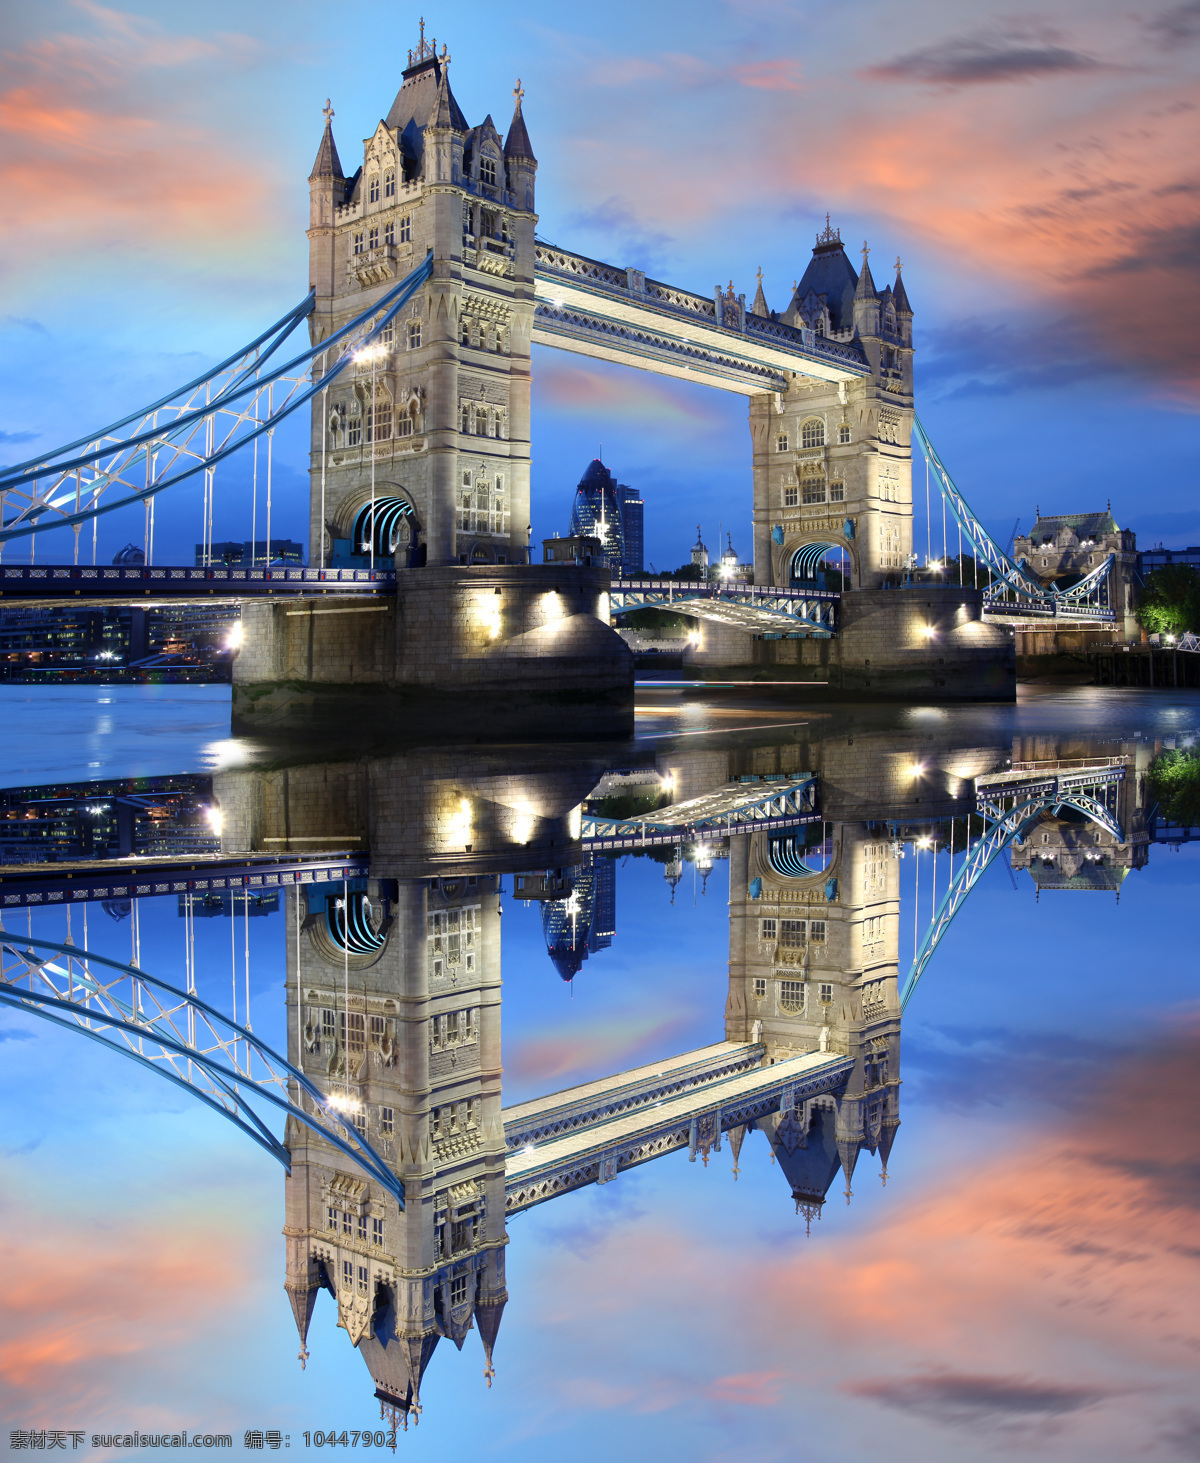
pixel 601 310
pixel 140 584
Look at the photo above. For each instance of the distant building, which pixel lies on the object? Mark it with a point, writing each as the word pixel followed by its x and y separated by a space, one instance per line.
pixel 578 926
pixel 700 554
pixel 611 512
pixel 576 548
pixel 1160 558
pixel 243 553
pixel 1061 549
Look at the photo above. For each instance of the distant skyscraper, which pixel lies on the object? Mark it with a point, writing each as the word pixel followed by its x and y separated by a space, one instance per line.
pixel 577 927
pixel 611 512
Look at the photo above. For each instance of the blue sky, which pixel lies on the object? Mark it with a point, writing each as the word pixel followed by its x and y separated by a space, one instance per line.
pixel 1037 176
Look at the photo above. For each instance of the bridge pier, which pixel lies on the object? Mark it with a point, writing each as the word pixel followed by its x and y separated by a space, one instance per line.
pixel 487 652
pixel 927 641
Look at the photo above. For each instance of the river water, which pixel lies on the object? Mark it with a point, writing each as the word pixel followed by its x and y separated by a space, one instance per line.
pixel 965 1227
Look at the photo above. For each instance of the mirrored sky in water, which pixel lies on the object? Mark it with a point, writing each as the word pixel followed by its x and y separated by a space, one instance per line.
pixel 1025 1283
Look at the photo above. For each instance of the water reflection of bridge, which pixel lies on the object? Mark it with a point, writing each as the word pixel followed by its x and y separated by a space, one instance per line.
pixel 403 1163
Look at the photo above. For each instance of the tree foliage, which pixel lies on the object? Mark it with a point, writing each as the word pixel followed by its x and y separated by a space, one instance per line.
pixel 1175 778
pixel 1170 601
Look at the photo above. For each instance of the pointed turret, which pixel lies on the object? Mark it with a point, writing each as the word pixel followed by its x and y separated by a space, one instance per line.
pixel 900 295
pixel 487 1318
pixel 865 289
pixel 866 300
pixel 443 114
pixel 517 144
pixel 760 300
pixel 328 164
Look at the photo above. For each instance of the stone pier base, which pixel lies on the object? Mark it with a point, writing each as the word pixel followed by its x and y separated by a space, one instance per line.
pixel 497 652
pixel 927 642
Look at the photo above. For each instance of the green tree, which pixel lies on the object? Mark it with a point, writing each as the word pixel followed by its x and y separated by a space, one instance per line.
pixel 1175 778
pixel 1170 601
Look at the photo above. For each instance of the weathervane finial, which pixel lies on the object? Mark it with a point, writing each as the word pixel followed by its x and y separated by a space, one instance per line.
pixel 518 93
pixel 327 112
pixel 899 266
pixel 830 235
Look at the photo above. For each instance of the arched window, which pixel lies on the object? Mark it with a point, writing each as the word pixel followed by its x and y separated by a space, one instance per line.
pixel 464 333
pixel 487 170
pixel 496 424
pixel 843 434
pixel 373 188
pixel 812 433
pixel 389 183
pixel 781 442
pixel 465 425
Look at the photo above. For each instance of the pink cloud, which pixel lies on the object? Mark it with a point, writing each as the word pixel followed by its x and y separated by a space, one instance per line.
pixel 782 74
pixel 601 1046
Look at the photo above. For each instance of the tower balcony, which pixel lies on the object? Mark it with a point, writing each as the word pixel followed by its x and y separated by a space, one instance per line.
pixel 373 266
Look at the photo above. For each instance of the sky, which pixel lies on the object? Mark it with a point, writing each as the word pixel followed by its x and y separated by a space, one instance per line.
pixel 1035 172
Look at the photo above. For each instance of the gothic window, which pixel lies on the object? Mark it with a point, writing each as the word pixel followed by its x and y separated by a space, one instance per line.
pixel 458 1290
pixel 414 335
pixel 373 188
pixel 791 933
pixel 496 432
pixel 378 1028
pixel 487 170
pixel 354 424
pixel 791 496
pixel 837 492
pixel 377 1232
pixel 347 1222
pixel 359 1120
pixel 406 420
pixel 464 330
pixel 843 434
pixel 406 229
pixel 328 1025
pixel 826 995
pixel 466 221
pixel 889 426
pixel 766 932
pixel 464 426
pixel 816 931
pixel 812 433
pixel 331 1218
pixel 387 1121
pixel 356 1039
pixel 387 336
pixel 791 995
pixel 781 442
pixel 347 1274
pixel 379 422
pixel 362 1224
pixel 389 232
pixel 373 238
pixel 760 987
pixel 812 485
pixel 389 183
pixel 359 242
pixel 362 1280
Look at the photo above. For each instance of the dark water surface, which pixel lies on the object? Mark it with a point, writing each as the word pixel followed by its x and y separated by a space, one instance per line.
pixel 1023 1284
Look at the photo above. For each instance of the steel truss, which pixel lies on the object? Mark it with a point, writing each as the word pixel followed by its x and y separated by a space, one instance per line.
pixel 735 809
pixel 1086 600
pixel 747 606
pixel 1007 825
pixel 192 429
pixel 180 1037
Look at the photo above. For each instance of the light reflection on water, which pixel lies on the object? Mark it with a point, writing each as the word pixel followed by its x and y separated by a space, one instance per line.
pixel 1025 1281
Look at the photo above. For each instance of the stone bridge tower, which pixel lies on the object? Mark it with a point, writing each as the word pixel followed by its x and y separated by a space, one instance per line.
pixel 434 426
pixel 833 461
pixel 813 948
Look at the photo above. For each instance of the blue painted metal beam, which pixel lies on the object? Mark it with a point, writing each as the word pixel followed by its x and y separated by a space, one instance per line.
pixel 142 585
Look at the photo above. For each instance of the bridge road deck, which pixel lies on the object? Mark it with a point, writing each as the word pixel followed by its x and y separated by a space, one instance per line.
pixel 596 1152
pixel 67 584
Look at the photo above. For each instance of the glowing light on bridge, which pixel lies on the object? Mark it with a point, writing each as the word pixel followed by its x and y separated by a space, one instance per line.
pixel 458 829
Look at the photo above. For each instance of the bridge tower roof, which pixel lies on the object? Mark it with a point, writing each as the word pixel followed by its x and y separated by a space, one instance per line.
pixel 417 100
pixel 328 164
pixel 831 274
pixel 517 143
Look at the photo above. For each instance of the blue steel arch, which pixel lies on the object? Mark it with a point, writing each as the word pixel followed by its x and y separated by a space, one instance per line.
pixel 350 926
pixel 140 1027
pixel 1012 826
pixel 788 855
pixel 232 391
pixel 377 525
pixel 807 557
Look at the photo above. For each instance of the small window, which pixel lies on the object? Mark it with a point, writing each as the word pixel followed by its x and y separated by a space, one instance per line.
pixel 487 170
pixel 387 336
pixel 363 1278
pixel 813 490
pixel 359 242
pixel 781 442
pixel 389 185
pixel 378 1029
pixel 405 424
pixel 826 995
pixel 406 229
pixel 837 492
pixel 373 238
pixel 414 335
pixel 348 1274
pixel 377 1231
pixel 362 1228
pixel 791 995
pixel 791 933
pixel 791 496
pixel 353 431
pixel 387 1121
pixel 331 1218
pixel 355 1039
pixel 812 433
pixel 767 931
pixel 816 931
pixel 373 188
pixel 465 427
pixel 328 1025
pixel 347 1222
pixel 458 1290
pixel 464 330
pixel 389 233
pixel 843 435
pixel 360 1127
pixel 760 987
